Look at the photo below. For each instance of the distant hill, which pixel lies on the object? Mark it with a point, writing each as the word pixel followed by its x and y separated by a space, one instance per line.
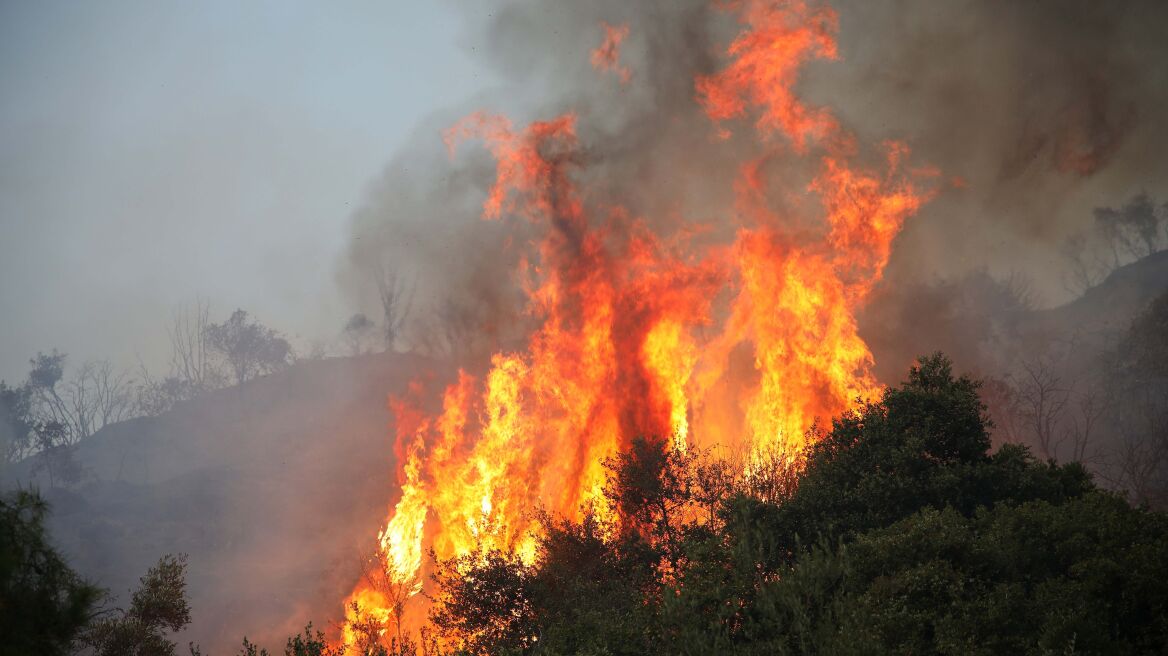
pixel 1107 309
pixel 977 321
pixel 275 488
pixel 271 488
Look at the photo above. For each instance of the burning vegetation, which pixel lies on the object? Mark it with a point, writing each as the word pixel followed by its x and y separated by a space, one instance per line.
pixel 654 339
pixel 639 324
pixel 666 432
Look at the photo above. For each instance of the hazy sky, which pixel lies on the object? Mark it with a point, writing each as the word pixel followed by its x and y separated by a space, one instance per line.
pixel 155 151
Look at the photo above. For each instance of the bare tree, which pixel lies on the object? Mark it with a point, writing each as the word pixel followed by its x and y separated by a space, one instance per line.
pixel 95 396
pixel 190 354
pixel 1140 466
pixel 445 332
pixel 456 330
pixel 1084 424
pixel 1085 268
pixel 396 292
pixel 193 367
pixel 1042 399
pixel 98 396
pixel 1138 413
pixel 460 327
pixel 1119 236
pixel 1002 401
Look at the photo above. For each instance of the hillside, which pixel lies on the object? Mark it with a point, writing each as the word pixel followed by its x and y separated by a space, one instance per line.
pixel 274 489
pixel 270 488
pixel 984 325
pixel 1107 309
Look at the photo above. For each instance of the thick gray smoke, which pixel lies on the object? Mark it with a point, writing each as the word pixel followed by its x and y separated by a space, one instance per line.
pixel 644 147
pixel 1035 113
pixel 1045 110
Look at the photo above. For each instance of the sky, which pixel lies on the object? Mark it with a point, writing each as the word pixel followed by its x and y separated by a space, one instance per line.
pixel 155 152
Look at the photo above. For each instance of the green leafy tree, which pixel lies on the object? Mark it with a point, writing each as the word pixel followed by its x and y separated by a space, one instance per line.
pixel 311 643
pixel 485 603
pixel 159 606
pixel 1084 576
pixel 44 604
pixel 902 534
pixel 595 589
pixel 924 444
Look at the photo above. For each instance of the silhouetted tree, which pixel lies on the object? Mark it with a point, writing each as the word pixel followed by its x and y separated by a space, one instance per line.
pixel 95 396
pixel 155 397
pixel 248 347
pixel 1132 231
pixel 191 363
pixel 194 369
pixel 1139 386
pixel 57 456
pixel 396 292
pixel 46 371
pixel 359 329
pixel 1120 235
pixel 16 422
pixel 44 604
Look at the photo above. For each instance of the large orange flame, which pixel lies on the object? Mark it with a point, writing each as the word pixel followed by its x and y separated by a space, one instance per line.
pixel 645 334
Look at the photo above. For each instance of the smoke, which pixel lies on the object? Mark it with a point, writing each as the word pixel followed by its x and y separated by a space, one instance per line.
pixel 1034 113
pixel 1043 110
pixel 271 489
pixel 644 147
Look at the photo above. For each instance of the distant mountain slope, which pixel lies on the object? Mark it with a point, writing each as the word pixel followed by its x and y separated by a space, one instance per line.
pixel 274 488
pixel 979 322
pixel 270 488
pixel 1108 308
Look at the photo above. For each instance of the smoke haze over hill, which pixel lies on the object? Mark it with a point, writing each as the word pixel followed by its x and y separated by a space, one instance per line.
pixel 542 230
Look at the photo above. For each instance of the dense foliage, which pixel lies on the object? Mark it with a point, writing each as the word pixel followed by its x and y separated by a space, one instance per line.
pixel 899 532
pixel 47 609
pixel 157 607
pixel 44 604
pixel 902 533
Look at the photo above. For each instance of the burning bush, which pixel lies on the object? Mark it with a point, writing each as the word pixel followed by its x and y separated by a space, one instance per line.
pixel 903 534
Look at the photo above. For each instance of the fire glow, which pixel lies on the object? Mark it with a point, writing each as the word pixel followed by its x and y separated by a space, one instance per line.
pixel 637 327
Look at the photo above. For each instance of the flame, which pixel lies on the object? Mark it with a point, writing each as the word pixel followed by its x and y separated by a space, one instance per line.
pixel 644 332
pixel 670 356
pixel 606 57
pixel 780 38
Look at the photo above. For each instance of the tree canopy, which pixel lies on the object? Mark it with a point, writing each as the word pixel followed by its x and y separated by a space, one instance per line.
pixel 44 604
pixel 248 347
pixel 901 532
